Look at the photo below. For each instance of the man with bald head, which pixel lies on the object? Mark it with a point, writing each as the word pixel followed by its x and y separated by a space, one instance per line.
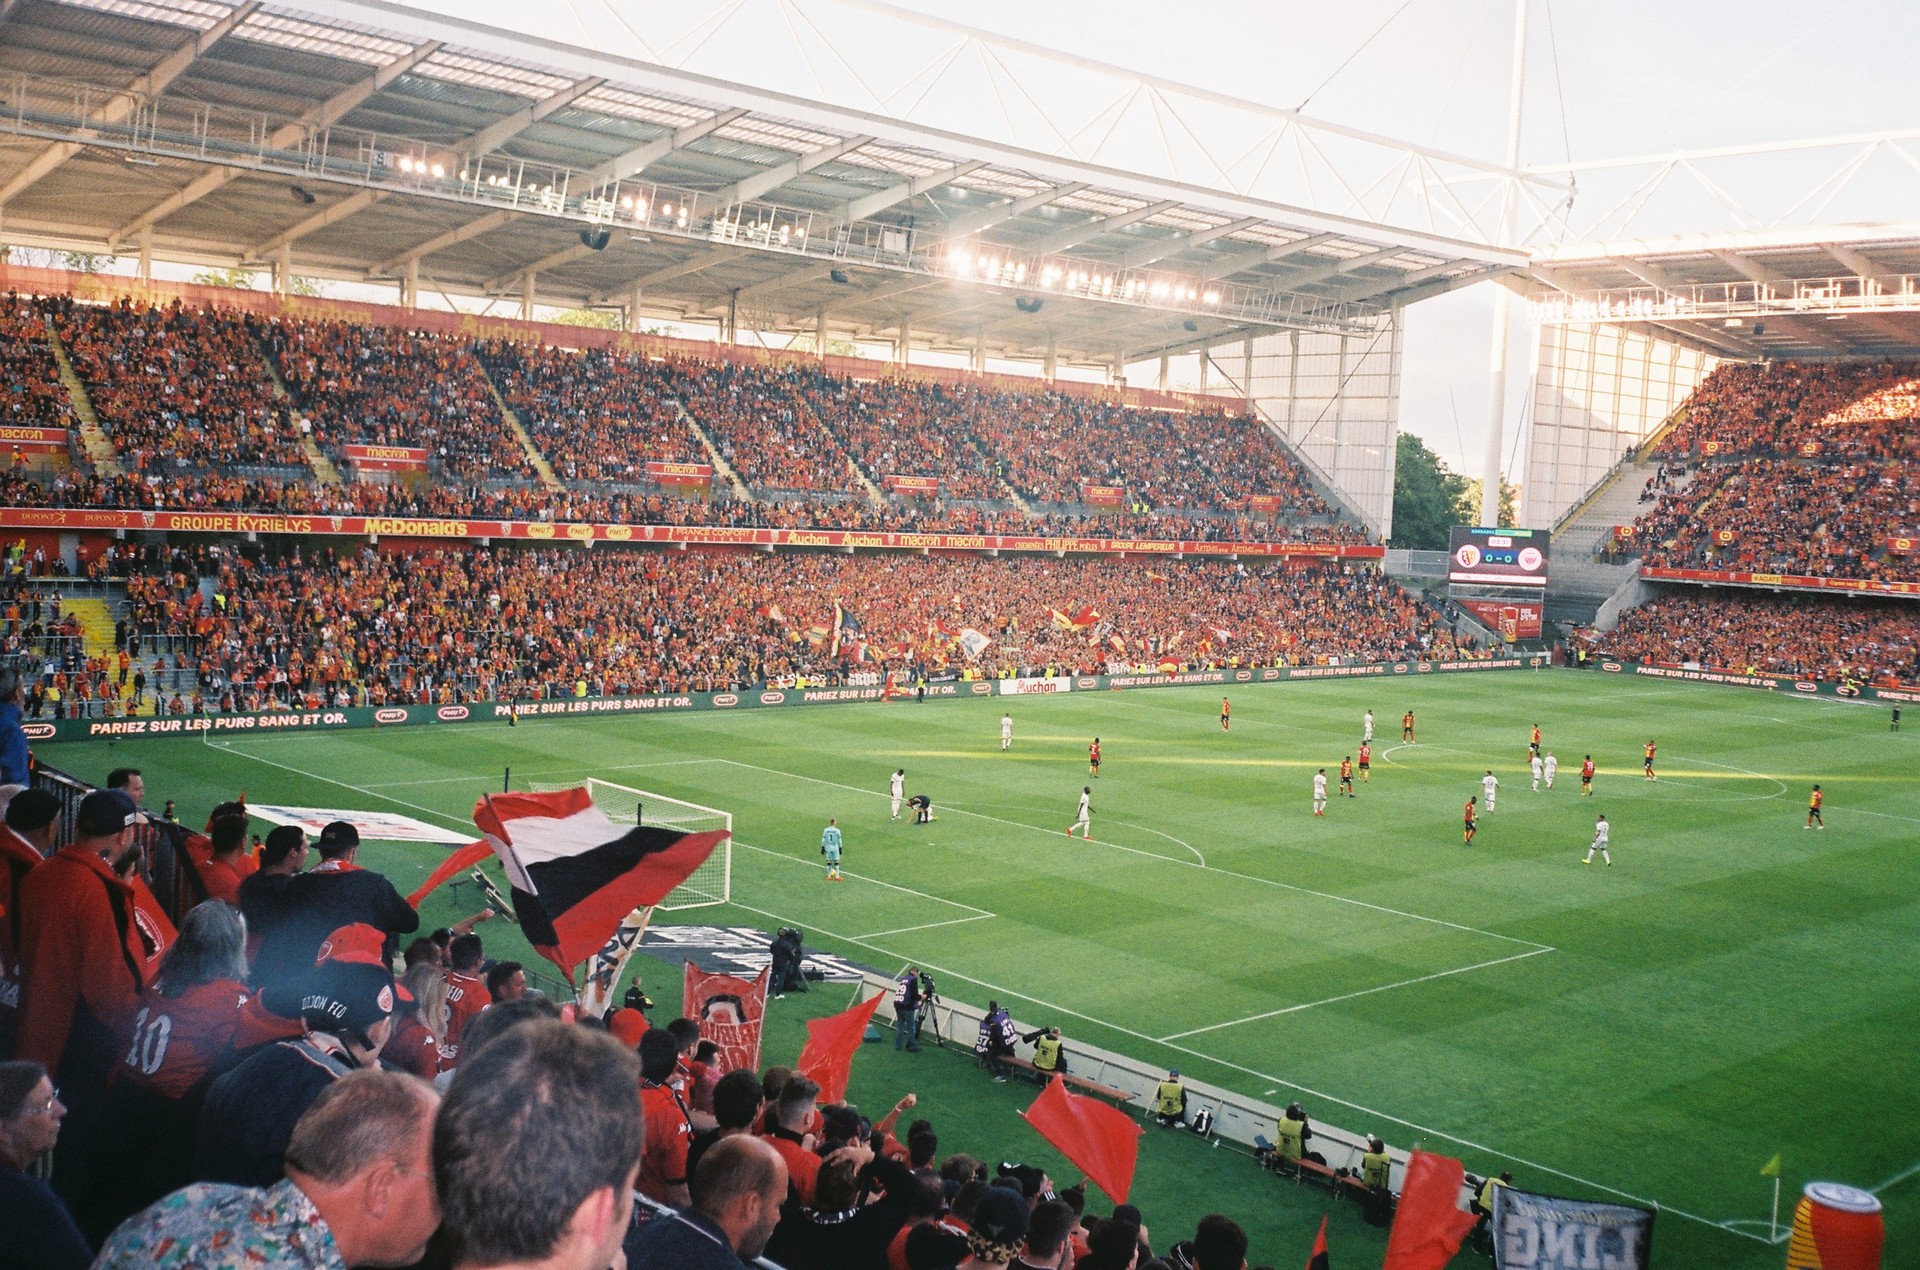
pixel 737 1193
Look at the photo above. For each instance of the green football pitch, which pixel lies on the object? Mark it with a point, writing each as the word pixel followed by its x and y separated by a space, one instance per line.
pixel 1733 986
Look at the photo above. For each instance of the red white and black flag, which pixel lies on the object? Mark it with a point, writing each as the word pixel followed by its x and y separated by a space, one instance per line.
pixel 575 874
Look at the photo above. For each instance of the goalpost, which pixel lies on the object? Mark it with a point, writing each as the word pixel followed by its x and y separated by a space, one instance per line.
pixel 712 882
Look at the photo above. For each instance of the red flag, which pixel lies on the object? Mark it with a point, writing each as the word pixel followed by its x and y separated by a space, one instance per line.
pixel 1429 1224
pixel 1101 1141
pixel 460 861
pixel 575 874
pixel 1317 1260
pixel 827 1059
pixel 730 1013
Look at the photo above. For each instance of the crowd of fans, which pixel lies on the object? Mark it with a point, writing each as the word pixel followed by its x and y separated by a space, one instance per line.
pixel 304 630
pixel 177 387
pixel 1810 469
pixel 31 394
pixel 1826 638
pixel 280 1067
pixel 596 416
pixel 380 385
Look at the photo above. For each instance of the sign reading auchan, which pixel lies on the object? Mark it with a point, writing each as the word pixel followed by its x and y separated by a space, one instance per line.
pixel 386 458
pixel 694 535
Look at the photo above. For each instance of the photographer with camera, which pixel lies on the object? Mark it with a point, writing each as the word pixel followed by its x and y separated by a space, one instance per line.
pixel 1049 1056
pixel 788 954
pixel 994 1045
pixel 907 1000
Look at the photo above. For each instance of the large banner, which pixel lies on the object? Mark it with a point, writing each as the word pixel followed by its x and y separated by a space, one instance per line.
pixel 1784 581
pixel 1497 557
pixel 731 1013
pixel 1540 1232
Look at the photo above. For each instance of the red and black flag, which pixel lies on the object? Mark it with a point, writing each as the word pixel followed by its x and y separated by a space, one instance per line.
pixel 575 874
pixel 1317 1260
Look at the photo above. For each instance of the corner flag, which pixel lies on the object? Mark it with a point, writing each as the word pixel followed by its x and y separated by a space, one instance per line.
pixel 1772 1167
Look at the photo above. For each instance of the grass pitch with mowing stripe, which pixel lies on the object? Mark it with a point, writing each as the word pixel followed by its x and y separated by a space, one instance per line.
pixel 1735 985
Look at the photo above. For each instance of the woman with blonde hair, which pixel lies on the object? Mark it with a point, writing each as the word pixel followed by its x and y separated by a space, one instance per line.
pixel 418 1036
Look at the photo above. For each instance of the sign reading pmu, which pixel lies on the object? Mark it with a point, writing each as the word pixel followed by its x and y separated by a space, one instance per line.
pixel 1497 557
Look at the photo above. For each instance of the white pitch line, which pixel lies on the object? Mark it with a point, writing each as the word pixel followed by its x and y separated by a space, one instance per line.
pixel 1348 996
pixel 557 771
pixel 1278 1081
pixel 1185 864
pixel 464 821
pixel 902 930
pixel 905 890
pixel 1910 1171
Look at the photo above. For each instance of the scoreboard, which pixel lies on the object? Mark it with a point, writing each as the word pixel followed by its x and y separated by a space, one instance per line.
pixel 1497 557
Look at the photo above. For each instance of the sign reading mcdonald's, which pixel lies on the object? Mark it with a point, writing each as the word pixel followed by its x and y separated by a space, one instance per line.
pixel 386 458
pixel 680 473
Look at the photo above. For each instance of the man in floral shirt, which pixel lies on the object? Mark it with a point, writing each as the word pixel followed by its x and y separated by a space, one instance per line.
pixel 358 1192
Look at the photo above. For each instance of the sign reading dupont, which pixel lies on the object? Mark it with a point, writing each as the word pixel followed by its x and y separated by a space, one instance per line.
pixel 1498 557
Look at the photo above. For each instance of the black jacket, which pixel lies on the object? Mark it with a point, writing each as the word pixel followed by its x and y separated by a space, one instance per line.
pixel 319 902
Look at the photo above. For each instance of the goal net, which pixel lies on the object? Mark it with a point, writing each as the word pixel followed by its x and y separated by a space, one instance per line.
pixel 712 882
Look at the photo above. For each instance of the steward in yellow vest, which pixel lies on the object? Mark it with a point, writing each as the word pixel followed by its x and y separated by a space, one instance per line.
pixel 1049 1055
pixel 1376 1166
pixel 1170 1100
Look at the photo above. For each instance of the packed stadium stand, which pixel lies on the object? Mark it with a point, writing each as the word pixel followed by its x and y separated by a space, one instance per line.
pixel 1799 468
pixel 1819 638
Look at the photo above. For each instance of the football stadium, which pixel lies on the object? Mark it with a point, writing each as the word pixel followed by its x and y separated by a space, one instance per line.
pixel 820 633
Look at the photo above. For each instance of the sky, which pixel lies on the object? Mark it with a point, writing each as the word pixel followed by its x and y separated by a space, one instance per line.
pixel 1605 79
pixel 1634 77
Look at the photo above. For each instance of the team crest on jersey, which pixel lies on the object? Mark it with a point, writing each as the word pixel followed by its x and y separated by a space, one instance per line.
pixel 385 1000
pixel 150 937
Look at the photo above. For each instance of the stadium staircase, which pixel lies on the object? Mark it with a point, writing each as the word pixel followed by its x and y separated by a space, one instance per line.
pixel 95 616
pixel 720 465
pixel 541 467
pixel 93 438
pixel 323 469
pixel 874 495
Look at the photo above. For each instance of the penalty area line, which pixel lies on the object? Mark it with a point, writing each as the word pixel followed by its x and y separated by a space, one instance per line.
pixel 465 822
pixel 975 909
pixel 1004 992
pixel 1363 992
pixel 902 930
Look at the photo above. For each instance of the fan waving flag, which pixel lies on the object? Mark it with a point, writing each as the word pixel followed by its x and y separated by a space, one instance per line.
pixel 459 862
pixel 827 1058
pixel 1101 1141
pixel 575 874
pixel 1429 1224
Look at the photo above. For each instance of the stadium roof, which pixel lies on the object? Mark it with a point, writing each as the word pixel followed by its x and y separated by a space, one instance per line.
pixel 1841 291
pixel 369 141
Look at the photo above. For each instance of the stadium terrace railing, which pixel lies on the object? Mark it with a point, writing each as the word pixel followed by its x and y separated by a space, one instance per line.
pixel 1784 581
pixel 514 712
pixel 164 860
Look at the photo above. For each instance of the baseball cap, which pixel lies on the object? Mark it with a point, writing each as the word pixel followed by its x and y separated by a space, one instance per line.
pixel 32 809
pixel 350 985
pixel 1001 1218
pixel 105 812
pixel 339 835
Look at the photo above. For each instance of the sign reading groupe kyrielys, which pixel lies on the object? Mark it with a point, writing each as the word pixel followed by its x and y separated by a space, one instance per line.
pixel 1497 557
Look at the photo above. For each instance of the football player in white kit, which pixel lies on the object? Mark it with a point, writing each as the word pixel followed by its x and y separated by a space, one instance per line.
pixel 1320 792
pixel 1085 813
pixel 1489 787
pixel 1006 731
pixel 897 790
pixel 1599 843
pixel 1550 766
pixel 1367 728
pixel 1539 768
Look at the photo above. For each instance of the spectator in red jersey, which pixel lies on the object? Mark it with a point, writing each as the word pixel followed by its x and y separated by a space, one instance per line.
pixel 27 838
pixel 227 864
pixel 195 1022
pixel 789 1117
pixel 663 1164
pixel 91 940
pixel 467 993
pixel 418 1036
